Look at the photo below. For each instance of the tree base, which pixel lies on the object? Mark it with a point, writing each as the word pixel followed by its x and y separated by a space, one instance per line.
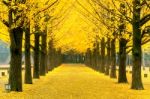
pixel 137 86
pixel 28 82
pixel 113 76
pixel 122 81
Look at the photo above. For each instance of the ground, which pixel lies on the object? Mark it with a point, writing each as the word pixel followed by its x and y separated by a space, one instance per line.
pixel 76 81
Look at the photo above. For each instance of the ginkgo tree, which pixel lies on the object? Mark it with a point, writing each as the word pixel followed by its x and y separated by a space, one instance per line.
pixel 133 14
pixel 126 21
pixel 138 20
pixel 19 17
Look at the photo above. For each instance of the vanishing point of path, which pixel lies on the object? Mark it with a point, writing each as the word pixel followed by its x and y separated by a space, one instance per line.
pixel 76 81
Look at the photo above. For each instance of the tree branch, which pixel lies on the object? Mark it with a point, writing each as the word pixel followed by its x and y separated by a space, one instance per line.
pixel 4 22
pixel 145 19
pixel 47 7
pixel 6 3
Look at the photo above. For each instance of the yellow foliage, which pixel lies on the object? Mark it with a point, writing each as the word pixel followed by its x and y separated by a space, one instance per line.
pixel 71 25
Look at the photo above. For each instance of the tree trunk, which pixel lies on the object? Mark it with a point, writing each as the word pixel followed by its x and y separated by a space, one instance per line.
pixel 15 76
pixel 43 60
pixel 88 57
pixel 59 56
pixel 122 61
pixel 97 57
pixel 113 60
pixel 94 58
pixel 99 62
pixel 46 52
pixel 36 57
pixel 50 55
pixel 28 74
pixel 54 57
pixel 108 57
pixel 136 52
pixel 103 55
pixel 46 63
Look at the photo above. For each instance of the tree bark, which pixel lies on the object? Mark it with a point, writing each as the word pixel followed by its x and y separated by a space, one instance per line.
pixel 36 56
pixel 28 73
pixel 122 78
pixel 113 60
pixel 52 61
pixel 15 76
pixel 137 51
pixel 103 55
pixel 46 51
pixel 97 56
pixel 94 59
pixel 43 58
pixel 108 57
pixel 88 57
pixel 50 55
pixel 54 57
pixel 59 57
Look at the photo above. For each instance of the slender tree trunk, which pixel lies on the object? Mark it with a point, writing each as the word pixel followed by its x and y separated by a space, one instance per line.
pixel 46 63
pixel 99 62
pixel 103 55
pixel 50 55
pixel 94 58
pixel 88 57
pixel 15 76
pixel 136 52
pixel 99 59
pixel 43 55
pixel 46 52
pixel 59 57
pixel 36 57
pixel 97 56
pixel 108 57
pixel 122 61
pixel 113 60
pixel 28 74
pixel 54 58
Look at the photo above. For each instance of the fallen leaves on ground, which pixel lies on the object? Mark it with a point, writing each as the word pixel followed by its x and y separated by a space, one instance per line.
pixel 76 81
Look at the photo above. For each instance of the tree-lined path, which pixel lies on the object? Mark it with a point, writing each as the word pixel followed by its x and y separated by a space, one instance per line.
pixel 110 37
pixel 76 81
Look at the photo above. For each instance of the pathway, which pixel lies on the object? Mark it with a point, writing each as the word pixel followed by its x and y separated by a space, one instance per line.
pixel 76 81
